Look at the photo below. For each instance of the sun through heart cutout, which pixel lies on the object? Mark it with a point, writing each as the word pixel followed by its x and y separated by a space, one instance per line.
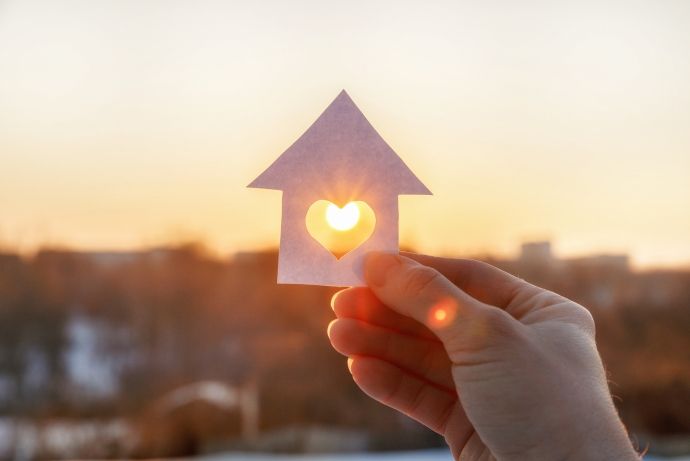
pixel 340 230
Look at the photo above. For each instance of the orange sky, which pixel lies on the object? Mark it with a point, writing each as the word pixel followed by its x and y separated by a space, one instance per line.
pixel 134 123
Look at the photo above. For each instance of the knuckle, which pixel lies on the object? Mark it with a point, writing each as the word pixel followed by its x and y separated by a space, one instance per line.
pixel 583 318
pixel 417 279
pixel 499 324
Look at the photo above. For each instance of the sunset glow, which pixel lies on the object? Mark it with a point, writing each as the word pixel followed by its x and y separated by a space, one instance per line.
pixel 133 124
pixel 342 219
pixel 340 230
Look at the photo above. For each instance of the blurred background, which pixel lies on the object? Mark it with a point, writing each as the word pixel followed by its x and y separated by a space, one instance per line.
pixel 139 314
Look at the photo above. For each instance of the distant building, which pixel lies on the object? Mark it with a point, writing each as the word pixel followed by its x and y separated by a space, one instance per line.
pixel 534 253
pixel 9 262
pixel 113 258
pixel 611 262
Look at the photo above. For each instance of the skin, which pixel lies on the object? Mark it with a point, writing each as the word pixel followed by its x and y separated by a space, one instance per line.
pixel 501 368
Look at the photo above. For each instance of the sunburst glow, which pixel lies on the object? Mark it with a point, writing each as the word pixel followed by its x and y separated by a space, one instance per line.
pixel 342 219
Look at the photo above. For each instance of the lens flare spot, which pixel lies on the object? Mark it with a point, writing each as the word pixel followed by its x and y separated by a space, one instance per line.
pixel 442 313
pixel 342 219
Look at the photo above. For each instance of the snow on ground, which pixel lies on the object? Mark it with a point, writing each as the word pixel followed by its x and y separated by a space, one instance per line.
pixel 424 455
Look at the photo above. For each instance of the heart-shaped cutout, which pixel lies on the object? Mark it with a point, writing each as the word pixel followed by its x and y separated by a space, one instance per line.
pixel 340 230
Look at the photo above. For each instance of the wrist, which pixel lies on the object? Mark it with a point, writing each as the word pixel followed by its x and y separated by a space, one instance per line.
pixel 605 439
pixel 590 431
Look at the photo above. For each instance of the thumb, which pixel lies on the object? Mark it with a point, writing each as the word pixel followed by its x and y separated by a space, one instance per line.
pixel 424 294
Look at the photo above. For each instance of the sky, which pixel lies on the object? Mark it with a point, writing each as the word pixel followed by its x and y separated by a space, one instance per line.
pixel 132 123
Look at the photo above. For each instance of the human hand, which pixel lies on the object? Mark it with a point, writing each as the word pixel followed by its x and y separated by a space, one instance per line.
pixel 501 368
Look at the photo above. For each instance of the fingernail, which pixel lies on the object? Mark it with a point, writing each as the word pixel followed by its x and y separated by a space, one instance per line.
pixel 377 267
pixel 328 330
pixel 349 363
pixel 333 299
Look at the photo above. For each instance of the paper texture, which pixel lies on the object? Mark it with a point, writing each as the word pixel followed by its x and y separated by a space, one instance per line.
pixel 340 158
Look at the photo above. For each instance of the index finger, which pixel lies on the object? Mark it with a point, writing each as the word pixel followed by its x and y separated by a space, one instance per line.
pixel 480 280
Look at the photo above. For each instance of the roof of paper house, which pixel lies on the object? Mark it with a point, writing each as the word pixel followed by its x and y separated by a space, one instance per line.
pixel 340 147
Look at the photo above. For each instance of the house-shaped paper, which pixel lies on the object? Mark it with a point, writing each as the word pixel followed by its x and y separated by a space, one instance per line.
pixel 340 158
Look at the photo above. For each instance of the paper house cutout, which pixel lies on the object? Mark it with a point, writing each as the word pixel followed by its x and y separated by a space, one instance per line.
pixel 340 158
